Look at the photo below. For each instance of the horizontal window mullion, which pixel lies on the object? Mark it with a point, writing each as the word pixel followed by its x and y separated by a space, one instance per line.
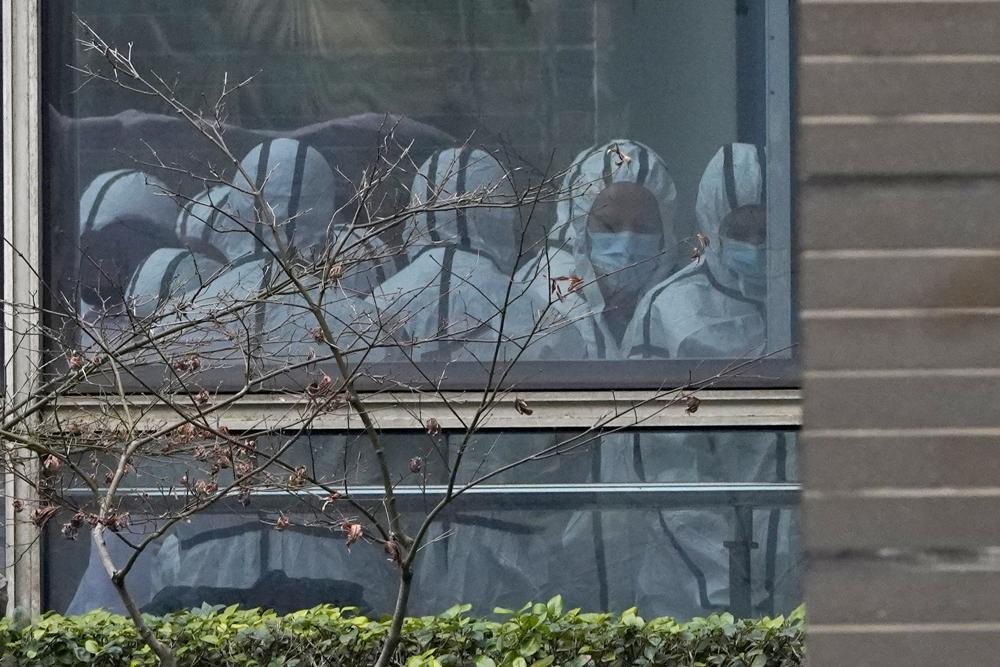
pixel 514 496
pixel 713 409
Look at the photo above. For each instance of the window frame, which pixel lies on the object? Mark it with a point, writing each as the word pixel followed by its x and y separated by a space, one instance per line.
pixel 22 215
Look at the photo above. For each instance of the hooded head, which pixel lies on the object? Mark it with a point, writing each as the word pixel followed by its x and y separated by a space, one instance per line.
pixel 620 216
pixel 124 216
pixel 449 174
pixel 167 274
pixel 298 186
pixel 618 161
pixel 733 178
pixel 743 248
pixel 625 236
pixel 201 217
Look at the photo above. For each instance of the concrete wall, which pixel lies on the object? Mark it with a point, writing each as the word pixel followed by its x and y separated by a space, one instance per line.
pixel 898 162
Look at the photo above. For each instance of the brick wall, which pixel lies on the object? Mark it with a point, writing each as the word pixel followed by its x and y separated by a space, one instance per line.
pixel 899 158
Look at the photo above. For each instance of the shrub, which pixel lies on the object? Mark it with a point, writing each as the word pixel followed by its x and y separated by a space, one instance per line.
pixel 538 635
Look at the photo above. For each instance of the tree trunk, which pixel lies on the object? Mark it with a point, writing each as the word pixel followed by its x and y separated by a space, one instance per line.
pixel 398 614
pixel 162 652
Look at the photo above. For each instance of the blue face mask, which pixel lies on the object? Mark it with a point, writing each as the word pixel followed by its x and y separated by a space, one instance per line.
pixel 744 259
pixel 749 262
pixel 611 252
pixel 616 250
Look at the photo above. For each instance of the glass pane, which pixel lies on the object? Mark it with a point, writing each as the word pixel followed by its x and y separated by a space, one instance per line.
pixel 677 523
pixel 613 159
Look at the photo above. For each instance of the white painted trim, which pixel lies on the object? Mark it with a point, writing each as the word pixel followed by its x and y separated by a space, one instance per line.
pixel 21 185
pixel 717 409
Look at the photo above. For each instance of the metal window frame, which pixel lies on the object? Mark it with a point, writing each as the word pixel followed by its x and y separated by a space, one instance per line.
pixel 22 180
pixel 778 138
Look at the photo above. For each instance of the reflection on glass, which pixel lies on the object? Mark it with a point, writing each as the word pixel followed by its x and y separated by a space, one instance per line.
pixel 674 522
pixel 630 259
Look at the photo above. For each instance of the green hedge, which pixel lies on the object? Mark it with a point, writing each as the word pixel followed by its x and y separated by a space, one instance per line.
pixel 538 635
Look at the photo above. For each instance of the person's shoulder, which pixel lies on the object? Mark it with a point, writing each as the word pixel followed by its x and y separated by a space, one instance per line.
pixel 693 277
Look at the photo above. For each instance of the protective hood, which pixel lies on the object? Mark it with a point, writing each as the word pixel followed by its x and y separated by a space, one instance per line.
pixel 299 187
pixel 734 177
pixel 479 228
pixel 694 315
pixel 699 311
pixel 124 216
pixel 204 214
pixel 168 273
pixel 123 192
pixel 598 167
pixel 365 259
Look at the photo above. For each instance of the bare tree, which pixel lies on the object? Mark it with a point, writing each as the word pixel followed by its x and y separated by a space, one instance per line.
pixel 142 395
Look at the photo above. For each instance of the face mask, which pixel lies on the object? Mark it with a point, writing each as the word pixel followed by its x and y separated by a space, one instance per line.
pixel 611 252
pixel 616 250
pixel 749 262
pixel 744 259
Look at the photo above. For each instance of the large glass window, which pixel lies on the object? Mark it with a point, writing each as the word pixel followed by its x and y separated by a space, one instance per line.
pixel 682 522
pixel 658 250
pixel 427 196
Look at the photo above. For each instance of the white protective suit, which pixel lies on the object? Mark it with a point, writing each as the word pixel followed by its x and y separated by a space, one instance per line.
pixel 233 555
pixel 701 312
pixel 594 170
pixel 300 189
pixel 451 293
pixel 677 561
pixel 201 217
pixel 460 269
pixel 239 558
pixel 503 549
pixel 124 216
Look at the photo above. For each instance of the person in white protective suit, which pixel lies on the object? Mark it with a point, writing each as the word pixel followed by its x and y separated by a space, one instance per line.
pixel 451 295
pixel 686 559
pixel 235 555
pixel 714 308
pixel 618 223
pixel 124 216
pixel 678 561
pixel 298 186
pixel 503 550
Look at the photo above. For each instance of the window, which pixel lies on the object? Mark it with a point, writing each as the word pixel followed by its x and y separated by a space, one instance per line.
pixel 677 522
pixel 662 128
